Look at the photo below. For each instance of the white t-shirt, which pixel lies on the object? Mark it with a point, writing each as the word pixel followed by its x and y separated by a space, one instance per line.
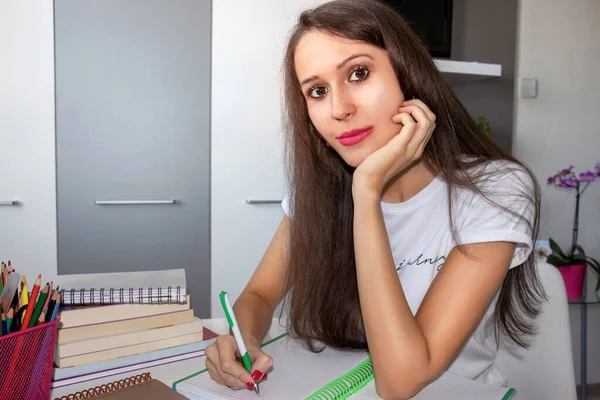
pixel 420 240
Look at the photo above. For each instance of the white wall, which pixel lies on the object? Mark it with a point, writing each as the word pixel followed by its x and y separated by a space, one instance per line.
pixel 248 42
pixel 27 155
pixel 558 45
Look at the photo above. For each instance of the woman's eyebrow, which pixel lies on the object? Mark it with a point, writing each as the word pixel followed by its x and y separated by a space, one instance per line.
pixel 339 66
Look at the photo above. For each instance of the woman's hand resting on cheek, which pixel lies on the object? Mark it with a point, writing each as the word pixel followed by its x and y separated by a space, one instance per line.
pixel 418 123
pixel 225 368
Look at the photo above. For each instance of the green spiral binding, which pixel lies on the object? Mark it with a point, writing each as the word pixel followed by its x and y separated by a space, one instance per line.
pixel 347 384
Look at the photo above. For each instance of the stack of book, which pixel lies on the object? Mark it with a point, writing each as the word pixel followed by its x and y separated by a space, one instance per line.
pixel 120 322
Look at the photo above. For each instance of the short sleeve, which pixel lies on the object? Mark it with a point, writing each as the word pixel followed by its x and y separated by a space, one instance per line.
pixel 504 211
pixel 285 204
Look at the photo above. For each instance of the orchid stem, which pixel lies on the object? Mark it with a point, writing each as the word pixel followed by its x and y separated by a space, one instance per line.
pixel 576 224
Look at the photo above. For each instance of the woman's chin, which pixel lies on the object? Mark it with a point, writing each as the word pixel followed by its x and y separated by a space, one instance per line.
pixel 354 160
pixel 355 155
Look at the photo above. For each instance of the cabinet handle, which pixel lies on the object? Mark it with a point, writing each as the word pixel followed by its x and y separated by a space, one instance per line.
pixel 131 202
pixel 249 201
pixel 9 203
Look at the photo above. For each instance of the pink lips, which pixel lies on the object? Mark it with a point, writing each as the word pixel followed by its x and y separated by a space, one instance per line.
pixel 354 136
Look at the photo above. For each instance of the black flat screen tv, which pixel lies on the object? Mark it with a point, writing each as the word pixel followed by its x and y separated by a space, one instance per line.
pixel 431 19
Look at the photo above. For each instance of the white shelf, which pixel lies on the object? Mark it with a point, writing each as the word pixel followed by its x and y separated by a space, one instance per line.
pixel 467 71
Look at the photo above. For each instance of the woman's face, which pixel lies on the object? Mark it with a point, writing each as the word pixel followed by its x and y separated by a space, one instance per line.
pixel 351 92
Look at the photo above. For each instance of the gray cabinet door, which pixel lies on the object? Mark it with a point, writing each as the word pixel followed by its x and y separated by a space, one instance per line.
pixel 132 127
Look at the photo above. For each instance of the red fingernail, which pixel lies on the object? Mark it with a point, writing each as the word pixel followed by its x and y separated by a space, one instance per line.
pixel 250 385
pixel 256 375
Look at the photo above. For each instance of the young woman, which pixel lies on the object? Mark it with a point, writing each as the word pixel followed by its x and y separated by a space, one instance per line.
pixel 406 232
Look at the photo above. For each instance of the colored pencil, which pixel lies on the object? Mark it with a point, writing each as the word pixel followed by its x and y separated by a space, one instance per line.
pixel 42 317
pixel 24 297
pixel 38 306
pixel 4 274
pixel 44 314
pixel 4 329
pixel 49 293
pixel 32 300
pixel 9 318
pixel 12 313
pixel 16 323
pixel 51 305
pixel 15 303
pixel 55 311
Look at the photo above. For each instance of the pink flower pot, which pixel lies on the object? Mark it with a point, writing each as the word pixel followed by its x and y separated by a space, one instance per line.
pixel 573 275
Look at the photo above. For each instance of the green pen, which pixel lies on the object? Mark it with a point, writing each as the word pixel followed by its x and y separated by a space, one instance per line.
pixel 237 334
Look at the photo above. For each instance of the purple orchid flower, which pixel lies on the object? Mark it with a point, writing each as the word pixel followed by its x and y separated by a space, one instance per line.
pixel 569 183
pixel 567 179
pixel 567 171
pixel 587 176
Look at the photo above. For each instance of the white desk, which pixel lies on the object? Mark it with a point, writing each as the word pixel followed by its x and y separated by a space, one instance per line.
pixel 168 373
pixel 171 372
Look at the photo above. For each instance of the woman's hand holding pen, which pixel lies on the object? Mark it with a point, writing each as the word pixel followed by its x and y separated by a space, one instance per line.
pixel 261 362
pixel 418 123
pixel 225 368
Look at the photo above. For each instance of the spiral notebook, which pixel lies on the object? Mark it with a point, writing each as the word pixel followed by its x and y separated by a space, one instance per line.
pixel 135 387
pixel 331 374
pixel 143 287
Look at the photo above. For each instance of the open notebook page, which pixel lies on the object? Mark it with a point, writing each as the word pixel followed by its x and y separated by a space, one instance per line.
pixel 297 373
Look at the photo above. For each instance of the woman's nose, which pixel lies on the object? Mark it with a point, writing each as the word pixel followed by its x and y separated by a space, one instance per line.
pixel 342 105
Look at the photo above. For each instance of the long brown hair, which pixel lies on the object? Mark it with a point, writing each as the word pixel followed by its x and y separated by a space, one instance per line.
pixel 321 279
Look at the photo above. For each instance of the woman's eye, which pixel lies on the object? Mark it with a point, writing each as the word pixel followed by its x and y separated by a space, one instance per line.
pixel 359 74
pixel 317 92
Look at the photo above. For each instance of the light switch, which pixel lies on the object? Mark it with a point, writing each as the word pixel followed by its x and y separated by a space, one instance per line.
pixel 528 88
